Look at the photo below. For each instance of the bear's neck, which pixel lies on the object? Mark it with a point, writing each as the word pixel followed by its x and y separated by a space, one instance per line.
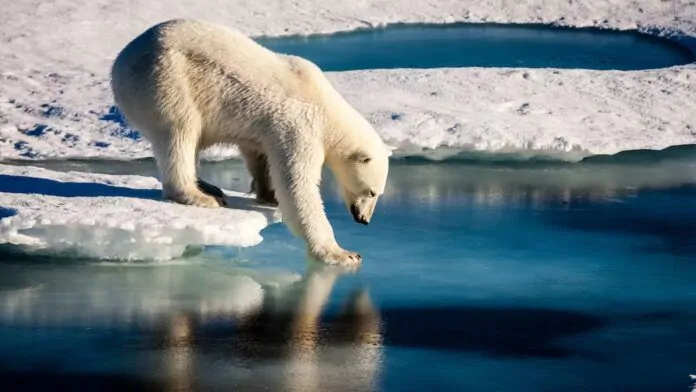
pixel 340 143
pixel 345 131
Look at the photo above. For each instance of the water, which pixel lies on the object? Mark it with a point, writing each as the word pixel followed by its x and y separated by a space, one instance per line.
pixel 475 277
pixel 483 45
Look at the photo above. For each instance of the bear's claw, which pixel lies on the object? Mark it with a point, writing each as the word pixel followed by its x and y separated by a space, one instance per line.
pixel 338 257
pixel 221 201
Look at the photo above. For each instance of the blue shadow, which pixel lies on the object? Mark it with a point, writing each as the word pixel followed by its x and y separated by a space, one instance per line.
pixel 43 186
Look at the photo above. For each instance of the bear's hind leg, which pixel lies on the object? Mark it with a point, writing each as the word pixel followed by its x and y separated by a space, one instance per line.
pixel 176 159
pixel 257 163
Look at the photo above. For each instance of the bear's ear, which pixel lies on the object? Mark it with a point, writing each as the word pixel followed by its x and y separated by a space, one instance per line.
pixel 360 157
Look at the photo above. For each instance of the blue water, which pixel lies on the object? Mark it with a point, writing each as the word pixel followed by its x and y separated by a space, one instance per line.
pixel 483 45
pixel 475 277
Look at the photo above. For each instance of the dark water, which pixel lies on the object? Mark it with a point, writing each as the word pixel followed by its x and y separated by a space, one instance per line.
pixel 483 45
pixel 475 277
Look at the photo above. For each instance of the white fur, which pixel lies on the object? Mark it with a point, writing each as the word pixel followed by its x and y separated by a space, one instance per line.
pixel 187 85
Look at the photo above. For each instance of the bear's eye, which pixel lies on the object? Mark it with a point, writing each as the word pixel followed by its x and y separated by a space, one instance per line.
pixel 360 157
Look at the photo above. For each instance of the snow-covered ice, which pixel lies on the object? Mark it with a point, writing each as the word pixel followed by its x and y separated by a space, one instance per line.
pixel 55 99
pixel 116 217
pixel 571 111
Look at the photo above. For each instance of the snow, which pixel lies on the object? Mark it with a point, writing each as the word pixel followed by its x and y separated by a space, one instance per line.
pixel 116 217
pixel 55 99
pixel 571 111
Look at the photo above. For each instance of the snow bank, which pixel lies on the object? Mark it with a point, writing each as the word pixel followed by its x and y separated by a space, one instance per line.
pixel 116 217
pixel 55 56
pixel 577 112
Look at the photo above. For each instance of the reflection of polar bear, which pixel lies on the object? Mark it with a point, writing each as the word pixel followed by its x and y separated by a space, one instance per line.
pixel 238 317
pixel 187 85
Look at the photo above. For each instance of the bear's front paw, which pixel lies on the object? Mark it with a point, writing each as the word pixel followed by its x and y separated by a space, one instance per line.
pixel 337 256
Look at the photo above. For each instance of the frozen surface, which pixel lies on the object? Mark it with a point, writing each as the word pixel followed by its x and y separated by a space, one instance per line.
pixel 115 217
pixel 571 111
pixel 55 99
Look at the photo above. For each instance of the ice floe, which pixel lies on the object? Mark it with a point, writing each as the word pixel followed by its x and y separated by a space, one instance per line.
pixel 116 217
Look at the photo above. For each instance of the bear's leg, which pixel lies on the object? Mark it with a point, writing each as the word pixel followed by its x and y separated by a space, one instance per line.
pixel 295 165
pixel 261 186
pixel 176 158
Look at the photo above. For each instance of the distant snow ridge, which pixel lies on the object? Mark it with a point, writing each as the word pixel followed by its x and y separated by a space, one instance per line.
pixel 55 100
pixel 116 217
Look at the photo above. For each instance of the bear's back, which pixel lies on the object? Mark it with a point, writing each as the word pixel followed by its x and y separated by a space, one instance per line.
pixel 219 51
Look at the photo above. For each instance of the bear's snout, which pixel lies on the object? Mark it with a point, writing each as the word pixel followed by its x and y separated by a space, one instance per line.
pixel 357 216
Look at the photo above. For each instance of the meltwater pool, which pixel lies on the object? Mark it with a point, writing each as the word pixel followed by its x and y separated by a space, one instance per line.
pixel 483 45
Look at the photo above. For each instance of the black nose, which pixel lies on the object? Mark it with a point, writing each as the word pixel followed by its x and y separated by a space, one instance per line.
pixel 356 215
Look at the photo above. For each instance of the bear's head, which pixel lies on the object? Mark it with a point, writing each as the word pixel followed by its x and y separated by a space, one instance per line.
pixel 362 177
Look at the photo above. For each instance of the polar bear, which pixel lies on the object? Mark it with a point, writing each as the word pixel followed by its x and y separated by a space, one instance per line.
pixel 186 85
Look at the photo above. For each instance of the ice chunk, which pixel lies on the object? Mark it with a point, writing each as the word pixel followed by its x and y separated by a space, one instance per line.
pixel 116 217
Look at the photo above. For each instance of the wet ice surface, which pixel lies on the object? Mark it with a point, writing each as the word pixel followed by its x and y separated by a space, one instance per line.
pixel 565 277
